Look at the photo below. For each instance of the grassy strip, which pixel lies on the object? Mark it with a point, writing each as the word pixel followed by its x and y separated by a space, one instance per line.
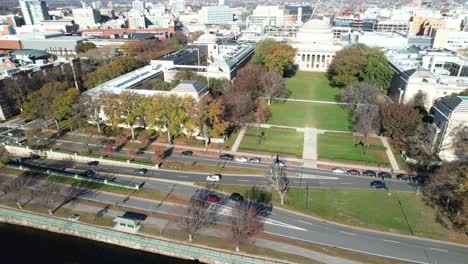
pixel 342 147
pixel 189 167
pixel 373 209
pixel 312 86
pixel 306 114
pixel 277 141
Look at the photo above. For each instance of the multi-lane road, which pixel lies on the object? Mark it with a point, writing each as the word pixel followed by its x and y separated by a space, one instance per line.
pixel 291 225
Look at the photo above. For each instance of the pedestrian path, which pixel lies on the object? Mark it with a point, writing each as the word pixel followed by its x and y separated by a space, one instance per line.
pixel 309 153
pixel 390 155
pixel 238 139
pixel 308 101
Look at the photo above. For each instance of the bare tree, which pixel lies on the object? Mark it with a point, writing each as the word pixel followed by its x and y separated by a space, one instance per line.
pixel 48 190
pixel 18 186
pixel 366 119
pixel 198 215
pixel 91 107
pixel 278 181
pixel 273 85
pixel 245 223
pixel 360 93
pixel 239 106
pixel 459 137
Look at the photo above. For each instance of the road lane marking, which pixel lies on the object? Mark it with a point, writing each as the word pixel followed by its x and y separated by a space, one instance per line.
pixel 244 180
pixel 182 176
pixel 391 241
pixel 346 183
pixel 438 249
pixel 278 223
pixel 348 233
pixel 307 223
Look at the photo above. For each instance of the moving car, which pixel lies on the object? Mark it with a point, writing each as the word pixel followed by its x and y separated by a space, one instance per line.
pixel 213 177
pixel 213 198
pixel 141 171
pixel 264 210
pixel 236 197
pixel 403 176
pixel 89 173
pixel 187 153
pixel 377 185
pixel 369 173
pixel 384 174
pixel 353 172
pixel 254 160
pixel 338 170
pixel 242 159
pixel 93 163
pixel 226 157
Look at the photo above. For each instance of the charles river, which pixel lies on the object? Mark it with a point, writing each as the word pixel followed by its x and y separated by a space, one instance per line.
pixel 26 245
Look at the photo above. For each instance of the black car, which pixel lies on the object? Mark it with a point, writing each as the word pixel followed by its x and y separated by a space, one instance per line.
pixel 34 157
pixel 369 173
pixel 384 174
pixel 377 185
pixel 89 173
pixel 226 157
pixel 187 153
pixel 236 197
pixel 418 180
pixel 93 163
pixel 264 210
pixel 403 176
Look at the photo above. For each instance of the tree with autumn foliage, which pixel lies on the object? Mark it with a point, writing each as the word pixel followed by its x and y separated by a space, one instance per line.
pixel 400 121
pixel 248 80
pixel 260 51
pixel 273 85
pixel 111 70
pixel 279 57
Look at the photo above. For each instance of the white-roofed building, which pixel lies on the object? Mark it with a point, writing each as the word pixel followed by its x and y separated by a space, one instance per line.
pixel 450 115
pixel 315 46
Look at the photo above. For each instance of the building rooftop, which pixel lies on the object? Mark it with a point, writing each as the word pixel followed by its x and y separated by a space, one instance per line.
pixel 37 54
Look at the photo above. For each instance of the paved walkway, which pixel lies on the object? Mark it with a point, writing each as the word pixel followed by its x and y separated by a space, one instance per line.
pixel 309 153
pixel 238 139
pixel 390 155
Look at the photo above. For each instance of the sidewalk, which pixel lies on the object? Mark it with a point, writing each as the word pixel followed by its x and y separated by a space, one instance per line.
pixel 239 139
pixel 306 101
pixel 390 155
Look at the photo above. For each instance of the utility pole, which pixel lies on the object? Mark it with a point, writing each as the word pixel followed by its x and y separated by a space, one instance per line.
pixel 307 201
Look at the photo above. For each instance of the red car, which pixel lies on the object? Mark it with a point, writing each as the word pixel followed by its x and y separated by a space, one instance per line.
pixel 353 172
pixel 212 198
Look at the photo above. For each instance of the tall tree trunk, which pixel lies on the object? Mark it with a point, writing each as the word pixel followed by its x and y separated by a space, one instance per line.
pixel 237 248
pixel 269 100
pixel 169 137
pixel 132 130
pixel 281 194
pixel 57 124
pixel 190 237
pixel 98 126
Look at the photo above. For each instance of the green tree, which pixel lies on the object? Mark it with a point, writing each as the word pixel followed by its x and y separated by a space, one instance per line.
pixel 84 47
pixel 346 66
pixel 131 109
pixel 278 57
pixel 62 105
pixel 112 110
pixel 377 71
pixel 4 156
pixel 260 51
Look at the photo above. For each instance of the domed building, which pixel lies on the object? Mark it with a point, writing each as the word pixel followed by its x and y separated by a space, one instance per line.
pixel 315 46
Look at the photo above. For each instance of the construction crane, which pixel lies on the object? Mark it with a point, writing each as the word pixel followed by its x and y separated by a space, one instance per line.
pixel 359 22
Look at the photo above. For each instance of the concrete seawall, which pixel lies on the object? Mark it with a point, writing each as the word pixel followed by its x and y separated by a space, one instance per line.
pixel 134 241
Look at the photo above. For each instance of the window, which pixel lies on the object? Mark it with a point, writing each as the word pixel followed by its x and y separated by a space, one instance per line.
pixel 303 57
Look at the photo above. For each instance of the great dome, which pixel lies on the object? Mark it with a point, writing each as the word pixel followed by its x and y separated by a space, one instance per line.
pixel 315 31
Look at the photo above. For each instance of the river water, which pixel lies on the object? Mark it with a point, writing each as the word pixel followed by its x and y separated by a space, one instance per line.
pixel 20 244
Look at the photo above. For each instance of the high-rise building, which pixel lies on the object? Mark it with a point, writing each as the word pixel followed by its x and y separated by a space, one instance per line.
pixel 136 20
pixel 216 15
pixel 34 11
pixel 138 5
pixel 86 17
pixel 177 6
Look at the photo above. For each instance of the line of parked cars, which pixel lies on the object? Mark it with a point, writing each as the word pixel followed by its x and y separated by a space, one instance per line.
pixel 370 173
pixel 229 157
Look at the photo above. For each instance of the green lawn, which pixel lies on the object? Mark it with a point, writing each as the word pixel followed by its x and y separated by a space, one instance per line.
pixel 303 114
pixel 373 209
pixel 340 147
pixel 312 86
pixel 274 140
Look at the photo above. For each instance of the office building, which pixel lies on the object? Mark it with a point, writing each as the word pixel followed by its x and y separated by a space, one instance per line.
pixel 34 11
pixel 86 17
pixel 136 20
pixel 270 16
pixel 216 15
pixel 138 5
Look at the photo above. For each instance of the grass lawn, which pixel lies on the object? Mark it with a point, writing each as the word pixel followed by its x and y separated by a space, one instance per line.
pixel 274 140
pixel 312 86
pixel 373 209
pixel 340 147
pixel 304 114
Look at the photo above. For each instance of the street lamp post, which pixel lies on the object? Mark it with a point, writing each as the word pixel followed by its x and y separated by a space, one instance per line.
pixel 307 195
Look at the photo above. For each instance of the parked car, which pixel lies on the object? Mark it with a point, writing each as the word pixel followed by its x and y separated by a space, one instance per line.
pixel 226 157
pixel 280 163
pixel 403 177
pixel 418 179
pixel 377 185
pixel 89 173
pixel 236 197
pixel 254 160
pixel 242 159
pixel 141 171
pixel 213 198
pixel 213 177
pixel 187 153
pixel 369 173
pixel 384 174
pixel 353 172
pixel 338 170
pixel 34 157
pixel 93 163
